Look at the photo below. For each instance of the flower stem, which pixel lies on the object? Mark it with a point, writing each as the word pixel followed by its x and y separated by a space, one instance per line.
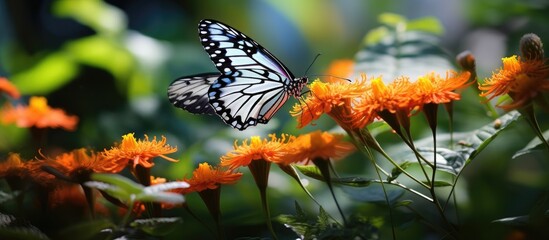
pixel 365 138
pixel 260 171
pixel 528 113
pixel 323 166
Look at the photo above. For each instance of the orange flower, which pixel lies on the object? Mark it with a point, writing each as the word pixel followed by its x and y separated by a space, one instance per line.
pixel 77 164
pixel 16 169
pixel 431 88
pixel 38 114
pixel 268 150
pixel 13 166
pixel 522 80
pixel 10 89
pixel 394 97
pixel 208 177
pixel 340 68
pixel 132 151
pixel 333 99
pixel 315 145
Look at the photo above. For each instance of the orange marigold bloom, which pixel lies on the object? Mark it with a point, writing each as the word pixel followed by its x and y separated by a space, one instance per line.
pixel 132 151
pixel 268 150
pixel 16 169
pixel 38 114
pixel 432 88
pixel 10 89
pixel 315 145
pixel 13 166
pixel 77 164
pixel 208 177
pixel 394 97
pixel 340 68
pixel 522 80
pixel 333 99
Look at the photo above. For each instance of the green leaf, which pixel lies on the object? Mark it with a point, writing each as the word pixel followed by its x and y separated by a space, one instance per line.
pixel 313 172
pixel 479 139
pixel 157 226
pixel 310 171
pixel 49 74
pixel 13 228
pixel 161 197
pixel 163 187
pixel 374 193
pixel 453 160
pixel 119 181
pixel 397 171
pixel 441 183
pixel 91 229
pixel 5 196
pixel 448 160
pixel 394 51
pixel 426 24
pixel 299 222
pixel 116 185
pixel 403 203
pixel 112 190
pixel 535 147
pixel 104 53
pixel 100 16
pixel 391 19
pixel 323 218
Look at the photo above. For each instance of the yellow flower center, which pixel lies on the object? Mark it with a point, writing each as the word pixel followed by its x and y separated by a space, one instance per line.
pixel 38 104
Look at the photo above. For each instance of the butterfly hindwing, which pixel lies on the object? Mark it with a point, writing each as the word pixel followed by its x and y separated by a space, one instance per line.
pixel 247 97
pixel 191 93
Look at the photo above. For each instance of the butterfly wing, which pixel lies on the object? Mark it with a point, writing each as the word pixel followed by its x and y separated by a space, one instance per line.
pixel 254 84
pixel 191 93
pixel 231 50
pixel 247 97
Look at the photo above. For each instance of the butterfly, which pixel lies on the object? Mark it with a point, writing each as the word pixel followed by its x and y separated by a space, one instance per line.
pixel 251 86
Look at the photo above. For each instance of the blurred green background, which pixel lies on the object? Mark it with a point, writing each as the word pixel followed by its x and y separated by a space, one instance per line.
pixel 110 62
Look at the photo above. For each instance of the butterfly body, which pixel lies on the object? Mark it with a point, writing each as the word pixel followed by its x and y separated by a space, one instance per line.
pixel 252 84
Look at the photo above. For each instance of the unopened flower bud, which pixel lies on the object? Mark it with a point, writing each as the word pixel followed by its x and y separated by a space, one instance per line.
pixel 531 47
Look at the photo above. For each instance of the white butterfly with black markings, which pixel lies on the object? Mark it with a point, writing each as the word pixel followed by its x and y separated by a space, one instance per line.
pixel 252 84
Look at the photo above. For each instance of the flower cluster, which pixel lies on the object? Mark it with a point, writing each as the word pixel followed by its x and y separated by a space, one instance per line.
pixel 353 105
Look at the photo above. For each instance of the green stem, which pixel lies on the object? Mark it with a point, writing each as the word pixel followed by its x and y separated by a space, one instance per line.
pixel 323 166
pixel 419 158
pixel 265 204
pixel 364 147
pixel 186 207
pixel 128 214
pixel 530 116
pixel 260 171
pixel 389 205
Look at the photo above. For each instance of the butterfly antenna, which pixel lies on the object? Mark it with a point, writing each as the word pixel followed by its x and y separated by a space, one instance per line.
pixel 323 75
pixel 314 60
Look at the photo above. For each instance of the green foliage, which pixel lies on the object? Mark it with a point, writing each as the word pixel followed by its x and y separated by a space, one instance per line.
pixel 156 226
pixel 13 228
pixel 129 191
pixel 322 226
pixel 94 229
pixel 402 48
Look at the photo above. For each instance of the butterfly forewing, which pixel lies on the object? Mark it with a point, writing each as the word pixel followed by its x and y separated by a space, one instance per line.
pixel 191 93
pixel 231 50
